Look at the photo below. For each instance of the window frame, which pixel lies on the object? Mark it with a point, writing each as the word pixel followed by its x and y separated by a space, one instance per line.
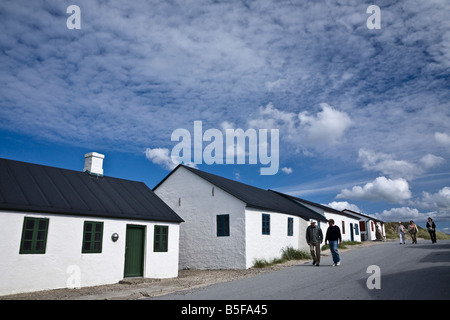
pixel 290 227
pixel 92 241
pixel 266 224
pixel 34 235
pixel 161 239
pixel 223 225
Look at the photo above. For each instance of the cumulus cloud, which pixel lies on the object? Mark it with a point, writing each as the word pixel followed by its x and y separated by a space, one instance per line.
pixel 381 189
pixel 401 214
pixel 161 157
pixel 325 128
pixel 342 205
pixel 436 201
pixel 328 126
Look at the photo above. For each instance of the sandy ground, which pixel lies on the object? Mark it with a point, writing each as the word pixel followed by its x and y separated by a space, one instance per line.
pixel 136 288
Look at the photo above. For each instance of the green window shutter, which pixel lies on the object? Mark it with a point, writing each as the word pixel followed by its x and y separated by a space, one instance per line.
pixel 92 237
pixel 34 236
pixel 161 239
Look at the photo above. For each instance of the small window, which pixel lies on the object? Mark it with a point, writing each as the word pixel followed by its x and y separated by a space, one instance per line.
pixel 290 227
pixel 34 236
pixel 92 237
pixel 223 225
pixel 362 226
pixel 343 227
pixel 161 239
pixel 356 229
pixel 266 223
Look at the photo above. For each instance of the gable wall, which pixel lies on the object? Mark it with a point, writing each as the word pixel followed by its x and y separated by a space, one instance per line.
pixel 191 198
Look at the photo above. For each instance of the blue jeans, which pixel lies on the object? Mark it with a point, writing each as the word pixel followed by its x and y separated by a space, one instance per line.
pixel 334 251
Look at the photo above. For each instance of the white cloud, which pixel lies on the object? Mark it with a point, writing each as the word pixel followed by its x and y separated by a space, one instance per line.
pixel 386 164
pixel 429 161
pixel 161 157
pixel 401 214
pixel 442 138
pixel 287 170
pixel 302 130
pixel 328 126
pixel 381 189
pixel 342 205
pixel 436 201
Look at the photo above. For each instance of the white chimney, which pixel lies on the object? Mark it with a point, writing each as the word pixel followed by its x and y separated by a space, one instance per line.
pixel 93 163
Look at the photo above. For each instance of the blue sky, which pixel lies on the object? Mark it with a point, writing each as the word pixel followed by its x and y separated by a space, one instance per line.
pixel 363 115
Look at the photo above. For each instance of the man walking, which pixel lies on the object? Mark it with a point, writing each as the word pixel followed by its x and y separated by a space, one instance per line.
pixel 314 238
pixel 333 236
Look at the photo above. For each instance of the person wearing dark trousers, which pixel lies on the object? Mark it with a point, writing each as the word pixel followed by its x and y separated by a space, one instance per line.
pixel 431 227
pixel 314 238
pixel 333 236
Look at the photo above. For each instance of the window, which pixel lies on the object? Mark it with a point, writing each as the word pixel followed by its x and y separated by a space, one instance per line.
pixel 290 229
pixel 362 226
pixel 161 239
pixel 356 229
pixel 343 227
pixel 92 237
pixel 34 235
pixel 223 225
pixel 266 223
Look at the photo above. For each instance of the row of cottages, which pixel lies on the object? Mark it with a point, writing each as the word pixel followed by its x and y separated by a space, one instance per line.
pixel 229 224
pixel 369 226
pixel 65 228
pixel 348 223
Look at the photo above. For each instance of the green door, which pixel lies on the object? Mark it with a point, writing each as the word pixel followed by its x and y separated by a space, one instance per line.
pixel 134 251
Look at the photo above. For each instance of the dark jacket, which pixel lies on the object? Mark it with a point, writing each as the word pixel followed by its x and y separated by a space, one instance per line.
pixel 314 234
pixel 333 234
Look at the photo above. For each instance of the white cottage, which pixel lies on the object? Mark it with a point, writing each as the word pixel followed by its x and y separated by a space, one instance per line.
pixel 349 224
pixel 368 226
pixel 228 224
pixel 63 228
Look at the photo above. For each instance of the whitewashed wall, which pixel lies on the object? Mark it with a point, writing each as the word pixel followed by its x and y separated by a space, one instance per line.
pixel 63 265
pixel 338 219
pixel 263 246
pixel 191 197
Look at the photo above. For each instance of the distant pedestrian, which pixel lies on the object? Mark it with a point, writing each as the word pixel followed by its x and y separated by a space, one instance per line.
pixel 401 232
pixel 314 238
pixel 431 227
pixel 413 230
pixel 333 236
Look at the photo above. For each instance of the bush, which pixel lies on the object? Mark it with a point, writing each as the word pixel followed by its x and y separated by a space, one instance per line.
pixel 290 253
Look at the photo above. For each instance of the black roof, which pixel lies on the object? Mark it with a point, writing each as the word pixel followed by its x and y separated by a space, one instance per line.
pixel 328 209
pixel 38 188
pixel 254 197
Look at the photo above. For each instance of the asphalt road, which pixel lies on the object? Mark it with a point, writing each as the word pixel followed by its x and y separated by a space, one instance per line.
pixel 404 272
